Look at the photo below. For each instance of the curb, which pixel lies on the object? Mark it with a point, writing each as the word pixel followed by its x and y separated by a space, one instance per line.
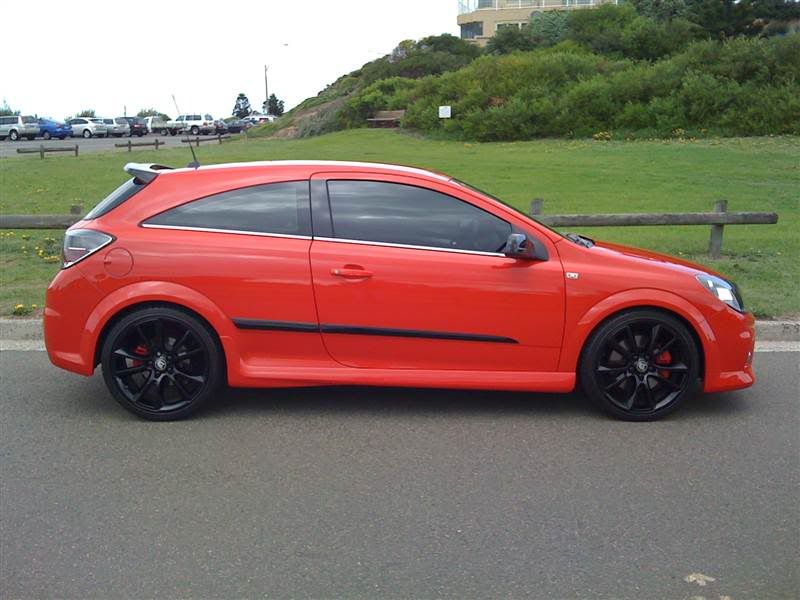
pixel 766 331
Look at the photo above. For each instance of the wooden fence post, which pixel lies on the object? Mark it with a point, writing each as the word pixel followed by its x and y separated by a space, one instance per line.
pixel 76 209
pixel 41 151
pixel 129 145
pixel 76 149
pixel 536 206
pixel 157 142
pixel 715 241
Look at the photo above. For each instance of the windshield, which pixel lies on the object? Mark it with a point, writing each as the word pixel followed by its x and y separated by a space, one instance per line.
pixel 493 197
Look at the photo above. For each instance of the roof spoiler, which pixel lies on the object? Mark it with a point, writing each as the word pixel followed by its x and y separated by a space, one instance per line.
pixel 144 172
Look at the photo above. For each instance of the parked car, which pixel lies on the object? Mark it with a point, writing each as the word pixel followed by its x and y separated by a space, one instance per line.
pixel 159 126
pixel 236 126
pixel 117 127
pixel 53 129
pixel 220 126
pixel 86 127
pixel 15 127
pixel 215 275
pixel 137 125
pixel 196 124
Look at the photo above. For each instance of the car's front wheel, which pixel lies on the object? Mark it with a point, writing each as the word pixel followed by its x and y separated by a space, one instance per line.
pixel 13 135
pixel 46 135
pixel 640 365
pixel 162 363
pixel 87 134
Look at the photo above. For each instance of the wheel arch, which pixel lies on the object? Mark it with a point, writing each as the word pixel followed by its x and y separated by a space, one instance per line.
pixel 152 293
pixel 657 300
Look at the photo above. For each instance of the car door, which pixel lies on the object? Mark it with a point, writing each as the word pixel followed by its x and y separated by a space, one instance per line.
pixel 409 274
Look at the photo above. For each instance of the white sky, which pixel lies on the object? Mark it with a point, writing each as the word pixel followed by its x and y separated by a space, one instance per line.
pixel 62 57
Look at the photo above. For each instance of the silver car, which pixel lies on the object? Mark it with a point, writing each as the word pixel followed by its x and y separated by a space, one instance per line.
pixel 15 127
pixel 117 127
pixel 88 127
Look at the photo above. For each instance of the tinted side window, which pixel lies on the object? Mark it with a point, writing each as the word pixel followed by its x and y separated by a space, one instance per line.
pixel 272 208
pixel 404 214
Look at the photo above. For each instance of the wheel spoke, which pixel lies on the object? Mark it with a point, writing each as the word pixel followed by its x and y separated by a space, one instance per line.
pixel 666 382
pixel 188 353
pixel 130 355
pixel 140 394
pixel 611 370
pixel 159 327
pixel 671 341
pixel 181 389
pixel 631 339
pixel 131 370
pixel 195 378
pixel 651 346
pixel 630 402
pixel 648 394
pixel 679 367
pixel 618 380
pixel 181 341
pixel 142 336
pixel 625 352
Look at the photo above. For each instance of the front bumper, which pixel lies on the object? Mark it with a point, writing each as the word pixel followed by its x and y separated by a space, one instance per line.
pixel 729 360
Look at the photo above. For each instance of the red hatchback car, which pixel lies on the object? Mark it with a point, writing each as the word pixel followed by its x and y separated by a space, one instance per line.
pixel 324 273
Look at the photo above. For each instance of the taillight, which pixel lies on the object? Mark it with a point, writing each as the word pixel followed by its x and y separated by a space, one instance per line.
pixel 80 243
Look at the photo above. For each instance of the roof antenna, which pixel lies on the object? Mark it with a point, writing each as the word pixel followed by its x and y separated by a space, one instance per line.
pixel 194 164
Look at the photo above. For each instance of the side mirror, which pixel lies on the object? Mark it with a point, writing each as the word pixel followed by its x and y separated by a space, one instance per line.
pixel 522 247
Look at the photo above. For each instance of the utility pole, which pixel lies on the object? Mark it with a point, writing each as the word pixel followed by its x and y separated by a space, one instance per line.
pixel 266 90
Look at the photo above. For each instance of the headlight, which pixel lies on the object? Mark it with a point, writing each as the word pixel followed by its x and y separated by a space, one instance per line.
pixel 80 243
pixel 723 290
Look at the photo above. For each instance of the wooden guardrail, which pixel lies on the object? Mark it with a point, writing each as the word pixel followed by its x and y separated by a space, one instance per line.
pixel 716 219
pixel 196 141
pixel 42 150
pixel 130 144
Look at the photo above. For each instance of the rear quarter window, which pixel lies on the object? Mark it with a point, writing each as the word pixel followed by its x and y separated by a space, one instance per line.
pixel 274 208
pixel 123 193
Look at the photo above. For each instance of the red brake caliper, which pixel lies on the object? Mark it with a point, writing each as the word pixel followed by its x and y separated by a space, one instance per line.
pixel 140 350
pixel 664 358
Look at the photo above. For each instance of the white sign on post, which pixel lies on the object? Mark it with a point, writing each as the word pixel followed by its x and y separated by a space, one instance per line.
pixel 445 112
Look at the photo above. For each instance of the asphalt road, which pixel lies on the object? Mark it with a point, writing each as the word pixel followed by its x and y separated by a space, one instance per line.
pixel 9 148
pixel 384 493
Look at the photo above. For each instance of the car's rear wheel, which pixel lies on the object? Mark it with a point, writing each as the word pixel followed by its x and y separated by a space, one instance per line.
pixel 640 365
pixel 195 130
pixel 87 134
pixel 46 135
pixel 162 363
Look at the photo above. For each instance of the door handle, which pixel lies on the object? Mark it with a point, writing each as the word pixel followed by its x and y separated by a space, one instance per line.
pixel 351 273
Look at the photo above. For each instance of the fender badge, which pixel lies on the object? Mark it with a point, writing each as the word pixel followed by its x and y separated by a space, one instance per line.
pixel 572 275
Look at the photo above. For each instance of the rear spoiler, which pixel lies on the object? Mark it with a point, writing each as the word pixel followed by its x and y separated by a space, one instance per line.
pixel 144 172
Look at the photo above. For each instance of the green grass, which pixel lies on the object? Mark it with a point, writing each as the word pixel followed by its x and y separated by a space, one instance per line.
pixel 572 176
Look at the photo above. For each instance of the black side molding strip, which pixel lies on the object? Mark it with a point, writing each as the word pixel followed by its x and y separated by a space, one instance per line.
pixel 276 325
pixel 380 331
pixel 417 333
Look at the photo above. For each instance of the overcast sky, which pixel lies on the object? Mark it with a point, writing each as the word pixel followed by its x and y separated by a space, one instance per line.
pixel 61 57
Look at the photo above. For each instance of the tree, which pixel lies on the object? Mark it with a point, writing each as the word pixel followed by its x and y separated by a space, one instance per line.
pixel 152 112
pixel 242 107
pixel 87 112
pixel 661 10
pixel 511 39
pixel 548 28
pixel 6 110
pixel 274 106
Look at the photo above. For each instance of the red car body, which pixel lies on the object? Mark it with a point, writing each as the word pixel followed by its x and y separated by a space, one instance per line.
pixel 316 310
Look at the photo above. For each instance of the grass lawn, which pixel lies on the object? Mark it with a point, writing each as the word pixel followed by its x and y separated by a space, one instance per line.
pixel 573 176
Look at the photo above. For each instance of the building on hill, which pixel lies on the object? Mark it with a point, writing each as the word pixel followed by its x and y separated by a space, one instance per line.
pixel 480 19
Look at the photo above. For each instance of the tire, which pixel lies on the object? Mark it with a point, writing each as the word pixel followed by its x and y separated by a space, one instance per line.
pixel 46 135
pixel 195 130
pixel 13 135
pixel 640 365
pixel 87 134
pixel 143 368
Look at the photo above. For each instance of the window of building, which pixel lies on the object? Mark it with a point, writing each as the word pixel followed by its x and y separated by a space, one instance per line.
pixel 280 208
pixel 470 31
pixel 394 213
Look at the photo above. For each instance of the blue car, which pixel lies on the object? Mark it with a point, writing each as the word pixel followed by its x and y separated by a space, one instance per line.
pixel 53 129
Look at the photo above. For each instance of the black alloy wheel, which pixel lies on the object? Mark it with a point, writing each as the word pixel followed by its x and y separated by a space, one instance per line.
pixel 640 365
pixel 162 363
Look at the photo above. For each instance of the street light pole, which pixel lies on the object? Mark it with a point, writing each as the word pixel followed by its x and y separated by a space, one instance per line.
pixel 266 90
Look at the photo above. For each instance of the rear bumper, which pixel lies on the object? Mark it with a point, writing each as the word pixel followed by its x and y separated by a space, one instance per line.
pixel 69 301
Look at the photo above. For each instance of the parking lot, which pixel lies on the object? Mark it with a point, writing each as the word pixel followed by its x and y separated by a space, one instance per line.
pixel 384 493
pixel 9 148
